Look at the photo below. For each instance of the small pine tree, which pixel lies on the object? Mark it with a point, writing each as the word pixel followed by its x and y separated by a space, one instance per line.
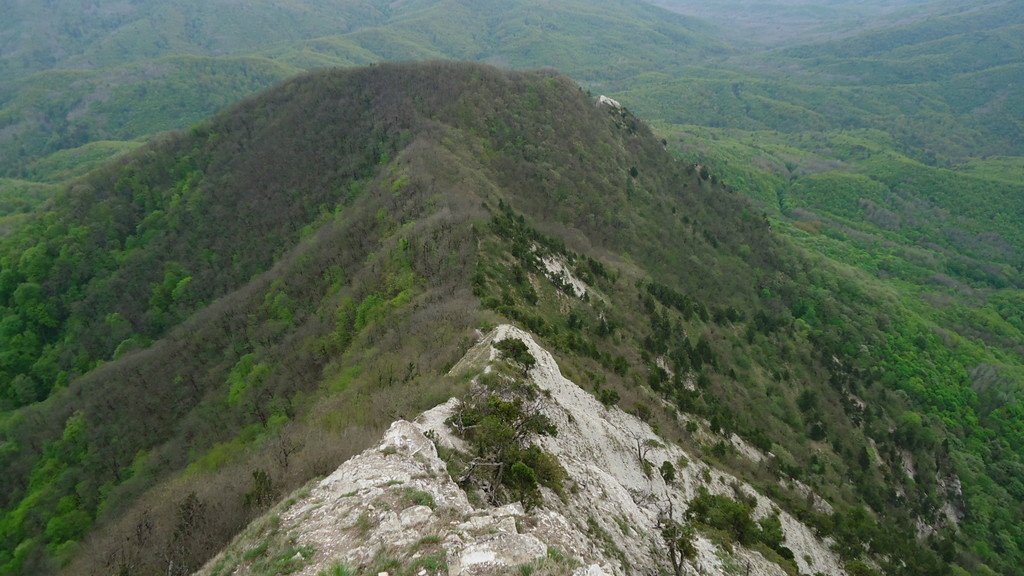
pixel 668 472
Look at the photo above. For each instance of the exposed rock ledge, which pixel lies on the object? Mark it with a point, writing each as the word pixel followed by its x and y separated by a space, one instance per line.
pixel 397 500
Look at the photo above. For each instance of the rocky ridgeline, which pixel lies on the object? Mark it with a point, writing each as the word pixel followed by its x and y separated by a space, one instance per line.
pixel 395 509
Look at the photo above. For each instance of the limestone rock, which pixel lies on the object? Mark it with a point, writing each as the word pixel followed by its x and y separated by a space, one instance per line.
pixel 396 501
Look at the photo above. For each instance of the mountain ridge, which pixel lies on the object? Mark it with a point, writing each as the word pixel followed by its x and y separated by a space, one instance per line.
pixel 608 523
pixel 385 213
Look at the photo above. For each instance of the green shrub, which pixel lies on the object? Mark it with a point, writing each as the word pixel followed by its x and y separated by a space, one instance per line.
pixel 337 569
pixel 725 514
pixel 522 480
pixel 668 472
pixel 608 397
pixel 498 419
pixel 515 350
pixel 419 497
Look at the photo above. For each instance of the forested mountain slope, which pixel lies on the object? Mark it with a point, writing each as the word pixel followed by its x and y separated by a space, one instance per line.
pixel 939 88
pixel 869 130
pixel 72 73
pixel 68 34
pixel 902 160
pixel 779 23
pixel 219 316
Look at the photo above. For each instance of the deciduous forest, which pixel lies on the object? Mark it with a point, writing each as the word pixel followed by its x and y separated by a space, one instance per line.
pixel 236 243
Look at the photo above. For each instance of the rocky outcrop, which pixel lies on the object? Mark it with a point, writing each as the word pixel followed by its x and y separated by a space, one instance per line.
pixel 394 507
pixel 559 272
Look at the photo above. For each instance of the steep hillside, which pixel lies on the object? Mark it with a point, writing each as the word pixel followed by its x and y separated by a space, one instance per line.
pixel 218 317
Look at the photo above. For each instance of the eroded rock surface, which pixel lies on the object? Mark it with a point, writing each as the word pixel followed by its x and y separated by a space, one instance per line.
pixel 396 502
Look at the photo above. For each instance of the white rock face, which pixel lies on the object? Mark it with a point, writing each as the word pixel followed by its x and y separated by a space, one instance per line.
pixel 375 503
pixel 556 268
pixel 598 448
pixel 744 448
pixel 606 101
